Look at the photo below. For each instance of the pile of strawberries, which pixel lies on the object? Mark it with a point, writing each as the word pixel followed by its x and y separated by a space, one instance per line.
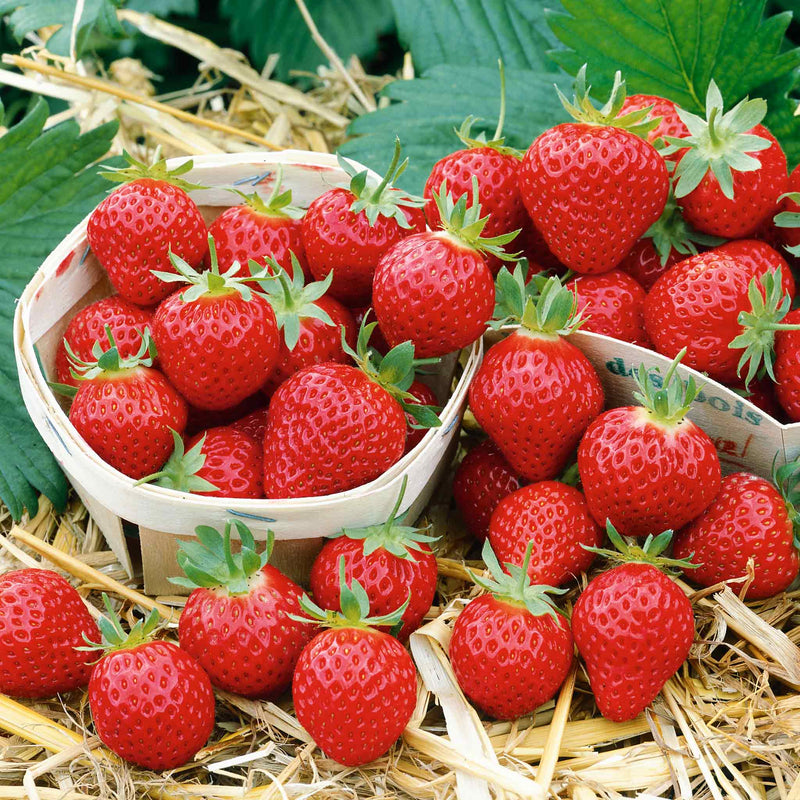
pixel 622 211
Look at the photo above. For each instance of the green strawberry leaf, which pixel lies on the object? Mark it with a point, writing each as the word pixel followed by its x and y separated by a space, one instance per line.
pixel 46 189
pixel 476 32
pixel 431 107
pixel 674 48
pixel 98 21
pixel 276 26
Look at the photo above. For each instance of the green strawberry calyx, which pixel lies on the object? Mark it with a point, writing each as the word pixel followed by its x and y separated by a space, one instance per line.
pixel 210 282
pixel 768 306
pixel 719 142
pixel 667 400
pixel 277 204
pixel 583 110
pixel 497 142
pixel 628 551
pixel 789 219
pixel 157 170
pixel 113 636
pixel 210 562
pixel 465 224
pixel 787 480
pixel 402 541
pixel 109 361
pixel 291 299
pixel 394 372
pixel 385 199
pixel 513 585
pixel 354 602
pixel 672 232
pixel 180 471
pixel 543 306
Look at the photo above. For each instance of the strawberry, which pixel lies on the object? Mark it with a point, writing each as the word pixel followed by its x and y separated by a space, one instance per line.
pixel 722 307
pixel 217 340
pixel 253 424
pixel 133 231
pixel 482 480
pixel 259 228
pixel 43 620
pixel 664 111
pixel 125 410
pixel 422 395
pixel 535 393
pixel 595 174
pixel 511 649
pixel 748 519
pixel 553 519
pixel 787 367
pixel 346 230
pixel 633 627
pixel 496 168
pixel 237 622
pixel 151 702
pixel 332 427
pixel 759 257
pixel 393 563
pixel 127 323
pixel 664 243
pixel 354 687
pixel 613 303
pixel 435 288
pixel 732 170
pixel 310 322
pixel 648 467
pixel 218 462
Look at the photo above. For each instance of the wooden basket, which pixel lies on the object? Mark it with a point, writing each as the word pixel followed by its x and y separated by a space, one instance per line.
pixel 71 278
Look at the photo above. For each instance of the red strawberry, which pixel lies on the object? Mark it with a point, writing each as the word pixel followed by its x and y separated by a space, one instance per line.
pixel 669 124
pixel 354 687
pixel 258 229
pixel 310 322
pixel 332 427
pixel 633 627
pixel 346 231
pixel 237 622
pixel 720 306
pixel 552 518
pixel 43 620
pixel 393 563
pixel 749 518
pixel 126 411
pixel 253 424
pixel 133 230
pixel 496 168
pixel 759 257
pixel 536 393
pixel 647 467
pixel 787 367
pixel 127 323
pixel 217 340
pixel 151 702
pixel 664 243
pixel 734 170
pixel 435 289
pixel 425 396
pixel 511 650
pixel 593 187
pixel 219 462
pixel 481 481
pixel 613 304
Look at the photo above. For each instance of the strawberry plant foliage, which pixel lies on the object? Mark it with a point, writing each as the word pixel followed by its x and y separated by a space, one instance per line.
pixel 46 189
pixel 674 48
